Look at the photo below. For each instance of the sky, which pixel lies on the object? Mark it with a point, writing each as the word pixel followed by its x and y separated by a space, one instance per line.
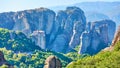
pixel 17 5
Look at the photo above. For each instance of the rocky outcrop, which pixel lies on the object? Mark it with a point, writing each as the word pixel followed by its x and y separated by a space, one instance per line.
pixel 59 30
pixel 97 36
pixel 39 38
pixel 3 61
pixel 115 40
pixel 111 28
pixel 77 31
pixel 52 62
pixel 28 20
pixel 72 23
pixel 116 37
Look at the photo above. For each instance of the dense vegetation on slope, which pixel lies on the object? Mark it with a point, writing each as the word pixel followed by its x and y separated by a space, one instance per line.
pixel 16 41
pixel 74 55
pixel 21 52
pixel 35 59
pixel 101 60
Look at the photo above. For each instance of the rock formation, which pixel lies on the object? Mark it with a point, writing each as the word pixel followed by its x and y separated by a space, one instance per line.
pixel 97 36
pixel 115 40
pixel 52 62
pixel 72 23
pixel 116 37
pixel 60 30
pixel 39 38
pixel 3 61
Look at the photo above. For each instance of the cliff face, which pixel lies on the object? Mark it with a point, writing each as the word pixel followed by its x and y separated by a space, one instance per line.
pixel 116 37
pixel 62 30
pixel 115 40
pixel 97 36
pixel 39 38
pixel 71 25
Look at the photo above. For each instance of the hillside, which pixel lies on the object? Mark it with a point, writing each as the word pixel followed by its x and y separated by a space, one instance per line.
pixel 101 60
pixel 34 59
pixel 16 41
pixel 29 37
pixel 109 57
pixel 20 51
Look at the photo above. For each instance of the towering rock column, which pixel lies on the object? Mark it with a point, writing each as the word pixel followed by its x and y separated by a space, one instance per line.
pixel 70 25
pixel 98 36
pixel 39 38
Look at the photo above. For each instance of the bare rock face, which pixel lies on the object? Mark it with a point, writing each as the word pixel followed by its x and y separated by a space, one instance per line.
pixel 116 37
pixel 52 62
pixel 115 40
pixel 39 38
pixel 72 23
pixel 61 30
pixel 97 36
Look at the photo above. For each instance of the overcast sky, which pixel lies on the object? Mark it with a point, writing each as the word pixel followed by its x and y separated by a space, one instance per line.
pixel 16 5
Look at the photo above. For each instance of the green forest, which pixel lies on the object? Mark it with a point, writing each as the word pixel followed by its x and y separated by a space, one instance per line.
pixel 20 51
pixel 104 59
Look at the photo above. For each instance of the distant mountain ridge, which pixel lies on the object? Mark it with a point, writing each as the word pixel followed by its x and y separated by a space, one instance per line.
pixel 101 7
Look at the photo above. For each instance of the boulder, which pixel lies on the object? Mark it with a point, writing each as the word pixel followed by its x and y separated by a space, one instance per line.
pixel 3 61
pixel 52 62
